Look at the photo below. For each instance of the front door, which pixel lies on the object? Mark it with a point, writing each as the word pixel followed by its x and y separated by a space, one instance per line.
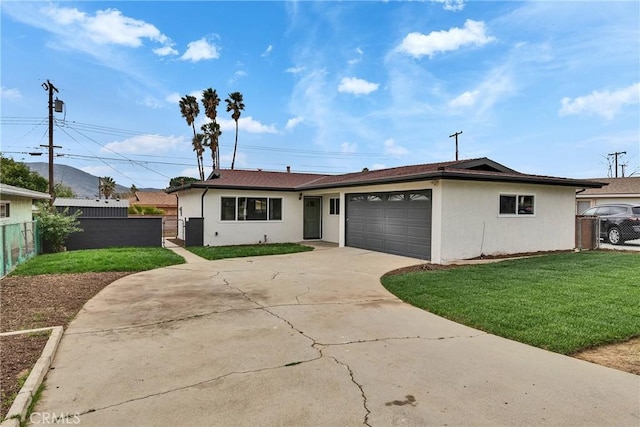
pixel 312 218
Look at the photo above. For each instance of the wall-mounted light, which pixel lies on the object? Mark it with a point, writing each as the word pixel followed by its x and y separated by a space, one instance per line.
pixel 300 196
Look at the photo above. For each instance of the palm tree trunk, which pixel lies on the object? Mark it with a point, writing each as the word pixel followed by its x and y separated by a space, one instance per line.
pixel 235 147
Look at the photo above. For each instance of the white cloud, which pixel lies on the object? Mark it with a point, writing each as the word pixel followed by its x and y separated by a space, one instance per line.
pixel 391 149
pixel 192 172
pixel 200 50
pixel 98 171
pixel 6 93
pixel 106 27
pixel 358 58
pixel 605 104
pixel 295 70
pixel 165 51
pixel 357 86
pixel 241 158
pixel 417 44
pixel 267 51
pixel 345 147
pixel 173 98
pixel 497 85
pixel 245 124
pixel 467 99
pixel 377 166
pixel 452 5
pixel 292 123
pixel 145 144
pixel 237 75
pixel 150 101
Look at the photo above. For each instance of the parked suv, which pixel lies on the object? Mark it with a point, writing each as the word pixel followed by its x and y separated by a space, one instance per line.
pixel 618 222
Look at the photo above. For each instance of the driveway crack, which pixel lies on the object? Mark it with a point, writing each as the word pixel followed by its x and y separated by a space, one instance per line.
pixel 185 387
pixel 364 396
pixel 416 337
pixel 302 294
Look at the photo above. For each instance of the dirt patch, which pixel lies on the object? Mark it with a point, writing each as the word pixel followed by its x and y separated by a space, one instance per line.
pixel 623 356
pixel 421 267
pixel 31 302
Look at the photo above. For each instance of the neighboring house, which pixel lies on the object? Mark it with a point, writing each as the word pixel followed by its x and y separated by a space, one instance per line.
pixel 439 212
pixel 16 204
pixel 93 208
pixel 161 200
pixel 156 199
pixel 617 190
pixel 18 235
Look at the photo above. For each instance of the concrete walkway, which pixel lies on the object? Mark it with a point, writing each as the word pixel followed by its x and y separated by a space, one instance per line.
pixel 309 339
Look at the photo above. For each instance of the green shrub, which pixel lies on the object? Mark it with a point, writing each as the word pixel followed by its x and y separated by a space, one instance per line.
pixel 145 210
pixel 55 226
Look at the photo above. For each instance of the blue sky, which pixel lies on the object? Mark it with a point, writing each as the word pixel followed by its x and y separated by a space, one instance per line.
pixel 544 87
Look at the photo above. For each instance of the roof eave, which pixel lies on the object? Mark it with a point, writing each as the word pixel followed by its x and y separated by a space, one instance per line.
pixel 452 174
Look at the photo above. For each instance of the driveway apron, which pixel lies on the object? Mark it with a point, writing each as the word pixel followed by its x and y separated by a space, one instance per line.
pixel 308 339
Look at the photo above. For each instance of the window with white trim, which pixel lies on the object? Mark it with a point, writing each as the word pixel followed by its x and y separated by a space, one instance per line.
pixel 334 206
pixel 250 209
pixel 4 209
pixel 517 204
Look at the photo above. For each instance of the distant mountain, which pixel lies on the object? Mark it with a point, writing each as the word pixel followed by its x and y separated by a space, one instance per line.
pixel 82 183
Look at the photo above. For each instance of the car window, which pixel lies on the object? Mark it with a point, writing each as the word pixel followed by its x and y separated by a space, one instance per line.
pixel 618 210
pixel 603 210
pixel 636 210
pixel 590 211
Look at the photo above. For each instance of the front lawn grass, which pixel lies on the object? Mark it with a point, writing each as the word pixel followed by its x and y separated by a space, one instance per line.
pixel 99 261
pixel 220 252
pixel 562 302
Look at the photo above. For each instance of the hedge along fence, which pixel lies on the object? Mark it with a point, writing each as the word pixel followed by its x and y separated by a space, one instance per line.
pixel 19 242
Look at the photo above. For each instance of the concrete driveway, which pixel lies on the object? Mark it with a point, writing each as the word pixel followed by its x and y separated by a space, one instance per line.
pixel 308 339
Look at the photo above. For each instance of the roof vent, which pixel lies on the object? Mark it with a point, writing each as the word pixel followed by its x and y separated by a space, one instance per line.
pixel 288 169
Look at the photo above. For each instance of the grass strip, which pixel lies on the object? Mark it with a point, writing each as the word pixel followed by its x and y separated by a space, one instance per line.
pixel 238 251
pixel 99 261
pixel 563 302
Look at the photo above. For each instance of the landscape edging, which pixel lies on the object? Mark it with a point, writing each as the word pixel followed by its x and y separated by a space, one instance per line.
pixel 18 410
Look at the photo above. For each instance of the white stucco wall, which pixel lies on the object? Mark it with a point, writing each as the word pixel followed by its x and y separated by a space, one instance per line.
pixel 221 233
pixel 471 224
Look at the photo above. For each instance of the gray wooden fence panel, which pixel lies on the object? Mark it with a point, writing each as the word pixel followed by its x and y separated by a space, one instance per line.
pixel 116 232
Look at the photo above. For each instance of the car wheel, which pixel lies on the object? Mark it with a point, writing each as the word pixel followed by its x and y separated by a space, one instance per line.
pixel 614 236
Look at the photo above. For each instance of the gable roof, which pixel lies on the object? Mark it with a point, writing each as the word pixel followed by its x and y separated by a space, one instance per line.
pixel 481 169
pixel 153 198
pixel 628 186
pixel 12 190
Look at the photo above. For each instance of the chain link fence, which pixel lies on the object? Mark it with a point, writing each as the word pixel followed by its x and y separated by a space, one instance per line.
pixel 19 242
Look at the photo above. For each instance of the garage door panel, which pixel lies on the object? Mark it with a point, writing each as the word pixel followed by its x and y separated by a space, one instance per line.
pixel 398 223
pixel 396 230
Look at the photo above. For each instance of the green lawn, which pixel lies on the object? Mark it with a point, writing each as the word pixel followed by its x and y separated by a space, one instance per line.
pixel 98 261
pixel 220 252
pixel 562 302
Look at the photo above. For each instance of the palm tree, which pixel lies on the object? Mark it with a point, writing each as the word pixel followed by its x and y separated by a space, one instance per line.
pixel 198 147
pixel 106 186
pixel 190 110
pixel 210 101
pixel 212 134
pixel 235 104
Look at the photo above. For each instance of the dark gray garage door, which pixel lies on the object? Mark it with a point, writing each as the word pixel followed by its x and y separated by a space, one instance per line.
pixel 396 223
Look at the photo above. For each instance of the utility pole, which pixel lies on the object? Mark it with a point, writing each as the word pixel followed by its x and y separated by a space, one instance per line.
pixel 456 136
pixel 48 86
pixel 615 155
